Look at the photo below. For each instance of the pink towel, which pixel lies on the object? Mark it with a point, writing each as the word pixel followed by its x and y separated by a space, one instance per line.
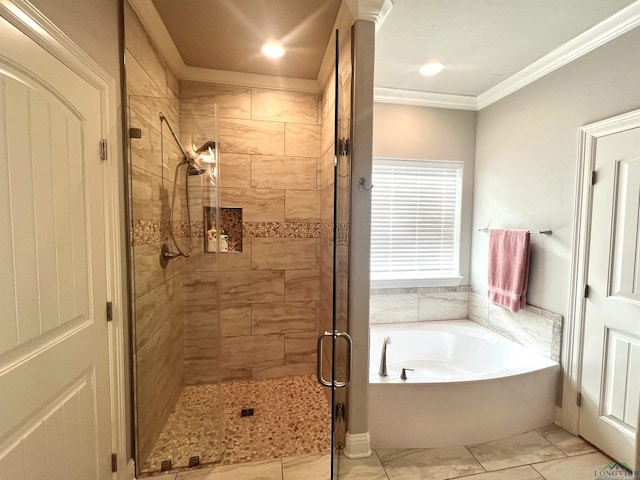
pixel 508 268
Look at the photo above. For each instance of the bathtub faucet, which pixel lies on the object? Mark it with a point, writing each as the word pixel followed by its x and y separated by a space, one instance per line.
pixel 383 358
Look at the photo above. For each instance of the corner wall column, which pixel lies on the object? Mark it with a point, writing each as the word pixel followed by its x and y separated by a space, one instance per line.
pixel 357 443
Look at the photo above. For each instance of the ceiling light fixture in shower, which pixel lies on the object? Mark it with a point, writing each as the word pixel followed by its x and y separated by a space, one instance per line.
pixel 431 68
pixel 272 49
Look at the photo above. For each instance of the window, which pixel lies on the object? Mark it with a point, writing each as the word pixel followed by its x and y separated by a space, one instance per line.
pixel 415 222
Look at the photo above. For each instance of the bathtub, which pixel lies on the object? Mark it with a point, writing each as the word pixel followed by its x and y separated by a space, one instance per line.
pixel 469 385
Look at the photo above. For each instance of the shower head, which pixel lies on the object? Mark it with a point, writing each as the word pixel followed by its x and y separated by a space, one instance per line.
pixel 194 170
pixel 210 145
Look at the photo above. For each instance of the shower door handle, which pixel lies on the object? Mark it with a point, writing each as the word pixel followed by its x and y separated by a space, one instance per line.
pixel 323 382
pixel 347 379
pixel 333 383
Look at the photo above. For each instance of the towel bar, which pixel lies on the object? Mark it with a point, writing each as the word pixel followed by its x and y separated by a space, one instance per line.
pixel 540 232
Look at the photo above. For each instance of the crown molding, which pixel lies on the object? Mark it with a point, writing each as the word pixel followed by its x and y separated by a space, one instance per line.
pixel 375 11
pixel 618 24
pixel 156 29
pixel 424 99
pixel 621 22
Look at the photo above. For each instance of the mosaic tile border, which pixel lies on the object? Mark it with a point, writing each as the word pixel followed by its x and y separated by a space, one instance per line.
pixel 343 234
pixel 281 230
pixel 326 231
pixel 152 231
pixel 145 231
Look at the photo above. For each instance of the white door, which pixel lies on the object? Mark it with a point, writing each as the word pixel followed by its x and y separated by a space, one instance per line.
pixel 611 356
pixel 54 377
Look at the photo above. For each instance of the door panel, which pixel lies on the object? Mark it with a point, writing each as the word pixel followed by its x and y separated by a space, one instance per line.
pixel 611 359
pixel 54 378
pixel 624 269
pixel 622 364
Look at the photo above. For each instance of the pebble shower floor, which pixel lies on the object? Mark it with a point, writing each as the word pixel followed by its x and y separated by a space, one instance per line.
pixel 291 417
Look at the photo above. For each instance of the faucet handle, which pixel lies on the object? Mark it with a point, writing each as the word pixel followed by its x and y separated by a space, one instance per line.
pixel 403 375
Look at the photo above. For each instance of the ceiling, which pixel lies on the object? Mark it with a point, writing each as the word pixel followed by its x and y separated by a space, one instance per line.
pixel 485 45
pixel 480 42
pixel 228 34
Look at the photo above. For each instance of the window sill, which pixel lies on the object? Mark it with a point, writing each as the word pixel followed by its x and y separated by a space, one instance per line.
pixel 417 282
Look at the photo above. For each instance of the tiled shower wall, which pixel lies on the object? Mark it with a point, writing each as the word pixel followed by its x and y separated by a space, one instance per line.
pixel 268 294
pixel 325 185
pixel 157 292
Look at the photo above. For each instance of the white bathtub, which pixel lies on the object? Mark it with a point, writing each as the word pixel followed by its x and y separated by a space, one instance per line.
pixel 469 385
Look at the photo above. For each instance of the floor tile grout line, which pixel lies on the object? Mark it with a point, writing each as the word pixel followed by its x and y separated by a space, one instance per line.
pixel 538 471
pixel 550 442
pixel 475 458
pixel 384 469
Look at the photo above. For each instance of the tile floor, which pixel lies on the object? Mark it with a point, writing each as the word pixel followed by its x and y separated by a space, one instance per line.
pixel 291 417
pixel 548 453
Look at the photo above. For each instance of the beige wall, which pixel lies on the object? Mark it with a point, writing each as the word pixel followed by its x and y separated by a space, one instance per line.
pixel 157 292
pixel 526 160
pixel 94 26
pixel 269 154
pixel 402 131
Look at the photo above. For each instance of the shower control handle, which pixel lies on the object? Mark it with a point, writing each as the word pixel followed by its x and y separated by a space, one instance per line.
pixel 319 374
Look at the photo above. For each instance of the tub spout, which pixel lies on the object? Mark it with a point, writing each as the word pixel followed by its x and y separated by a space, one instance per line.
pixel 383 357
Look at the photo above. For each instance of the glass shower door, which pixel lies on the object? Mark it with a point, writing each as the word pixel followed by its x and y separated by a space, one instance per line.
pixel 177 398
pixel 338 338
pixel 342 209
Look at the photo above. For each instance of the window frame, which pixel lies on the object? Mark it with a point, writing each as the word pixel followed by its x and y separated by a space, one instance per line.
pixel 434 281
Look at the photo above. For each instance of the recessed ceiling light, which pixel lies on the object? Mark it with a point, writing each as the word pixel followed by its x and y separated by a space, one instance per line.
pixel 272 50
pixel 431 68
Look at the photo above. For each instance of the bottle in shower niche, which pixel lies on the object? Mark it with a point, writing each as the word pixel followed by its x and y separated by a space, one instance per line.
pixel 212 240
pixel 224 241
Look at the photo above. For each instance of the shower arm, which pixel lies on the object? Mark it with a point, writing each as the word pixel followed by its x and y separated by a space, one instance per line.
pixel 187 158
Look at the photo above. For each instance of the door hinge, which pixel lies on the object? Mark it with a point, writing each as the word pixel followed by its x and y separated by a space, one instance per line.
pixel 343 147
pixel 135 132
pixel 114 462
pixel 586 291
pixel 103 149
pixel 594 177
pixel 579 399
pixel 109 311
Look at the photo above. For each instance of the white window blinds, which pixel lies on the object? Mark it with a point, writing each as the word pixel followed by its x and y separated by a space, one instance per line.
pixel 415 211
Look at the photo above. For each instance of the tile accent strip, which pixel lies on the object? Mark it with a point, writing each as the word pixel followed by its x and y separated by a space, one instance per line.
pixel 281 230
pixel 145 231
pixel 153 231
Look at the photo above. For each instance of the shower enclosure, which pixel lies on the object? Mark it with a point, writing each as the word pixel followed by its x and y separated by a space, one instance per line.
pixel 239 253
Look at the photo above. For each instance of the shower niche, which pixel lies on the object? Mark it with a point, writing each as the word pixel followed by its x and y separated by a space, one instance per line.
pixel 225 236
